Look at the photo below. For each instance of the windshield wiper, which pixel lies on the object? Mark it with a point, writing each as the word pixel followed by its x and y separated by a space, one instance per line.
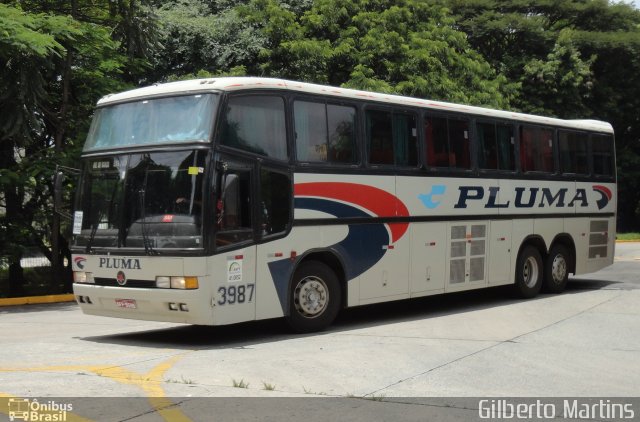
pixel 148 246
pixel 94 229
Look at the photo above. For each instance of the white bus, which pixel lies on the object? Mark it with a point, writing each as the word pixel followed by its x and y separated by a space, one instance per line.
pixel 224 200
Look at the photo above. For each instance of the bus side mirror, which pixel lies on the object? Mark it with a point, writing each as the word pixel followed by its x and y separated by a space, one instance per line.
pixel 58 182
pixel 59 179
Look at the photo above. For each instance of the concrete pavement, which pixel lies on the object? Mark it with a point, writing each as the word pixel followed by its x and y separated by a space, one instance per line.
pixel 585 342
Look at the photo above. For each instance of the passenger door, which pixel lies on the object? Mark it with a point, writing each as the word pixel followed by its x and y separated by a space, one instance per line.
pixel 234 265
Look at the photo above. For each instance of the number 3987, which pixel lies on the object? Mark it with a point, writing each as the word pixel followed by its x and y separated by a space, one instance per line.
pixel 230 295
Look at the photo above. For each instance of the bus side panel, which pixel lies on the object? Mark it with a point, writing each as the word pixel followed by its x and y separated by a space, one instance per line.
pixel 500 253
pixel 388 278
pixel 428 254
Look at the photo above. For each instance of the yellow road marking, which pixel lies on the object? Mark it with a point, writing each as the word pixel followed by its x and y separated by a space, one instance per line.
pixel 150 382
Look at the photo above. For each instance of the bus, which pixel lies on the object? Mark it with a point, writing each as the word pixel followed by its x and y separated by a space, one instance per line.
pixel 223 200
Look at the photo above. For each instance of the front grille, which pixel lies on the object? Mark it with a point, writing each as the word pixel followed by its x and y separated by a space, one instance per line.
pixel 101 281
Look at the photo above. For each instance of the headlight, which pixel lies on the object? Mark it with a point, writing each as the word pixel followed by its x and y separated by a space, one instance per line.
pixel 82 277
pixel 163 282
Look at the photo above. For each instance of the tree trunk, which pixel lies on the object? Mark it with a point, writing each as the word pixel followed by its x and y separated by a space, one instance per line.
pixel 57 267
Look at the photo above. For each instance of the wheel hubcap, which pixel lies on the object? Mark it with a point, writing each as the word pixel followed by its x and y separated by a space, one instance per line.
pixel 311 297
pixel 530 272
pixel 559 269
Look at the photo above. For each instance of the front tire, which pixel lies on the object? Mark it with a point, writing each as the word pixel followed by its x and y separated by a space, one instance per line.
pixel 556 270
pixel 529 272
pixel 314 298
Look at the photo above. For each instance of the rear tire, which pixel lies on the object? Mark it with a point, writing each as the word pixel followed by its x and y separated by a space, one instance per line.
pixel 528 272
pixel 556 269
pixel 314 298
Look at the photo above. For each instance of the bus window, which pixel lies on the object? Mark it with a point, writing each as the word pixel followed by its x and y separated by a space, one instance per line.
pixel 275 198
pixel 495 146
pixel 487 148
pixel 405 140
pixel 379 137
pixel 256 123
pixel 324 132
pixel 506 147
pixel 602 147
pixel 341 122
pixel 447 142
pixel 392 138
pixel 536 149
pixel 233 206
pixel 573 152
pixel 437 142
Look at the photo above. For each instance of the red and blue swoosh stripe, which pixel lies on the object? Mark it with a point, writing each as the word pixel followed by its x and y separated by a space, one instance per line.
pixel 366 242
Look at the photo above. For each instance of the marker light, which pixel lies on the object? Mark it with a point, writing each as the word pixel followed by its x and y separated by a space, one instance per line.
pixel 184 282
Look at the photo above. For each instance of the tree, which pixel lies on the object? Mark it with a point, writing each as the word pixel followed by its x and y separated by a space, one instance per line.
pixel 57 67
pixel 572 59
pixel 202 39
pixel 406 46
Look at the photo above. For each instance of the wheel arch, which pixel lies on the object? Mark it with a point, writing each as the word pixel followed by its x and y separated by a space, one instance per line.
pixel 566 240
pixel 331 259
pixel 537 242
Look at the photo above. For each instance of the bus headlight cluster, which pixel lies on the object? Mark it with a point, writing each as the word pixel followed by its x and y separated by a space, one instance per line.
pixel 83 277
pixel 176 282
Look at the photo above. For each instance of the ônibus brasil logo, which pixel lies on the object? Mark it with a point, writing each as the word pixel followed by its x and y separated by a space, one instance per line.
pixel 525 197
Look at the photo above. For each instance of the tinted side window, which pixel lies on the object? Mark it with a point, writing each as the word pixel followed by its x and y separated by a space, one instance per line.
pixel 536 149
pixel 341 123
pixel 256 123
pixel 392 138
pixel 447 142
pixel 275 196
pixel 379 137
pixel 405 140
pixel 495 146
pixel 437 141
pixel 573 152
pixel 311 131
pixel 602 148
pixel 324 132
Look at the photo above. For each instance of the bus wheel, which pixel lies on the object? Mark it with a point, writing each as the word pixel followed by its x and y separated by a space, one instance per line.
pixel 556 270
pixel 528 272
pixel 314 301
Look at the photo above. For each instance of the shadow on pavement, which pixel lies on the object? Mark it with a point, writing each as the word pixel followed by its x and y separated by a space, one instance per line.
pixel 256 332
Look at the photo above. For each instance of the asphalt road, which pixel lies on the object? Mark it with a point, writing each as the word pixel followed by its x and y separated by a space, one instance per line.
pixel 583 343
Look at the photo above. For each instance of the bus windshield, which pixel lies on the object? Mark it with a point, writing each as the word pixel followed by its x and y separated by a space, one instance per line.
pixel 185 118
pixel 149 201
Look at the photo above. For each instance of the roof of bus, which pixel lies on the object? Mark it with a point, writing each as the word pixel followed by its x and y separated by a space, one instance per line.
pixel 244 83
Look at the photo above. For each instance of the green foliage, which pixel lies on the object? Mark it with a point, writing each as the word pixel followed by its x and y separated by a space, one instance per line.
pixel 407 47
pixel 197 41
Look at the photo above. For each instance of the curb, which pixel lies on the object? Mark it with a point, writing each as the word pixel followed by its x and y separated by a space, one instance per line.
pixel 32 300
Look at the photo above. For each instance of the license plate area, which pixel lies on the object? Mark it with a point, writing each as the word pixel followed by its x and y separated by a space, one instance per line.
pixel 126 303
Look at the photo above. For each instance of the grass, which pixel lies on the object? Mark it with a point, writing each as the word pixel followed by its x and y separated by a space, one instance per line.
pixel 240 384
pixel 268 387
pixel 628 237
